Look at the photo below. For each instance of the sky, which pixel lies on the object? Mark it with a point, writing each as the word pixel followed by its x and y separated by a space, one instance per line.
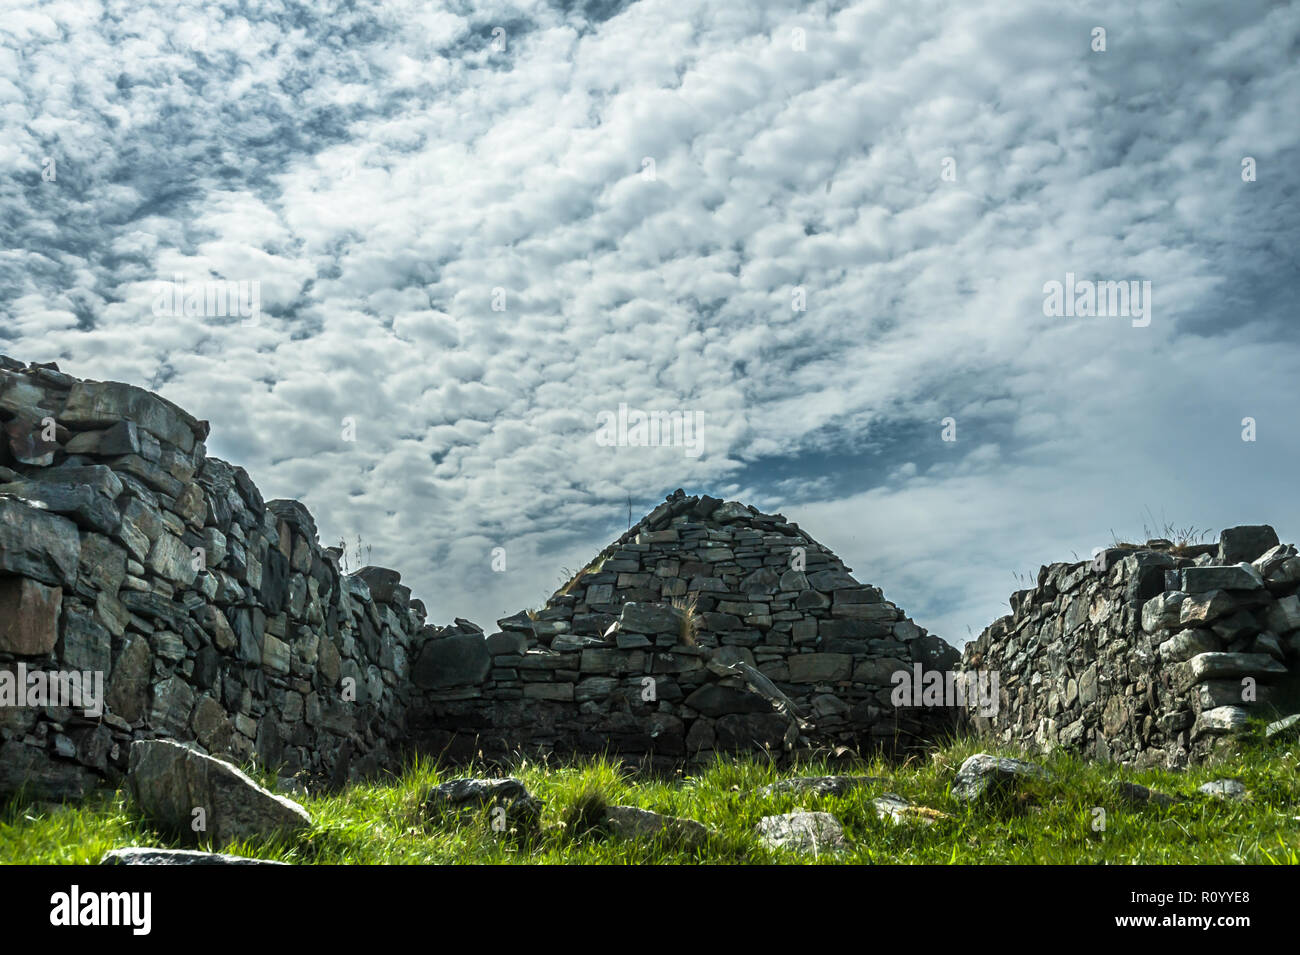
pixel 823 234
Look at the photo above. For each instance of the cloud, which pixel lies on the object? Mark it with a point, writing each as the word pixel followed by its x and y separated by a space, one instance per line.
pixel 472 252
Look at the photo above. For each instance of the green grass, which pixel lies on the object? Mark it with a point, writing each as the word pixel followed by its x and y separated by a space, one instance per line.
pixel 1052 822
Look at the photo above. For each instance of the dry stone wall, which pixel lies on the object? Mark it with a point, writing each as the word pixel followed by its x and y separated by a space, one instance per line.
pixel 708 627
pixel 130 557
pixel 148 591
pixel 1151 656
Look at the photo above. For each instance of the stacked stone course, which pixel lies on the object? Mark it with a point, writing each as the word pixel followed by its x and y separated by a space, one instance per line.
pixel 708 627
pixel 213 616
pixel 1151 656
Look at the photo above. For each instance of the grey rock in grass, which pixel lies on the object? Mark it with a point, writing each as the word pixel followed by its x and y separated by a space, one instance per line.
pixel 819 785
pixel 984 775
pixel 140 855
pixel 1224 789
pixel 630 822
pixel 1139 795
pixel 803 832
pixel 471 793
pixel 169 782
pixel 1286 728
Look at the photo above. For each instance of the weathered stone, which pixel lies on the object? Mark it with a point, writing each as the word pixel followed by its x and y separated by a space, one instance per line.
pixel 169 781
pixel 1140 795
pixel 1284 615
pixel 1219 666
pixel 820 667
pixel 1245 543
pixel 35 543
pixel 894 808
pixel 630 822
pixel 83 643
pixel 522 808
pixel 29 616
pixel 983 775
pixel 715 700
pixel 169 713
pixel 650 619
pixel 803 832
pixel 127 694
pixel 1198 580
pixel 1199 610
pixel 1224 789
pixel 1222 719
pixel 30 771
pixel 1188 643
pixel 1286 728
pixel 459 660
pixel 99 403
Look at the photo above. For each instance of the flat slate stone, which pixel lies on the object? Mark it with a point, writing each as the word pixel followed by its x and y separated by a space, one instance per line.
pixel 169 781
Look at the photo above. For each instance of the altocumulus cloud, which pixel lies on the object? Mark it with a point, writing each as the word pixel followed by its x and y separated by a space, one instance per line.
pixel 477 227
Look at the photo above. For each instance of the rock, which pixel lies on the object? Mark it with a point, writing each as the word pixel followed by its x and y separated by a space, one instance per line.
pixel 381 581
pixel 1186 644
pixel 25 438
pixel 803 832
pixel 170 559
pixel 984 775
pixel 35 543
pixel 29 616
pixel 650 619
pixel 458 660
pixel 1284 615
pixel 1222 719
pixel 26 769
pixel 731 511
pixel 1199 580
pixel 1163 611
pixel 140 855
pixel 715 700
pixel 1199 610
pixel 828 581
pixel 820 785
pixel 1224 789
pixel 1220 666
pixel 1245 543
pixel 1140 795
pixel 820 667
pixel 86 507
pixel 128 690
pixel 629 822
pixel 96 404
pixel 896 809
pixel 1287 727
pixel 522 808
pixel 169 781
